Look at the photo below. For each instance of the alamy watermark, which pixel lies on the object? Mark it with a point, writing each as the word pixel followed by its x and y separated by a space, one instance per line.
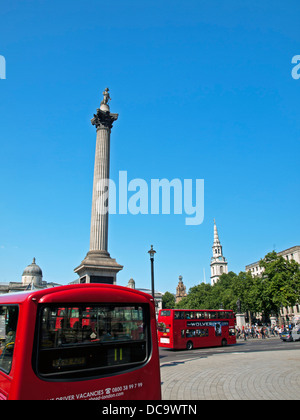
pixel 2 67
pixel 296 69
pixel 161 196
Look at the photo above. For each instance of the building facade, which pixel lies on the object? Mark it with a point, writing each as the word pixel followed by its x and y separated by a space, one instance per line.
pixel 293 253
pixel 32 279
pixel 289 254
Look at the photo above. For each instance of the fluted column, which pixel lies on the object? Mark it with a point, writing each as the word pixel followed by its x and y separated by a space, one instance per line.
pixel 103 121
pixel 98 266
pixel 99 218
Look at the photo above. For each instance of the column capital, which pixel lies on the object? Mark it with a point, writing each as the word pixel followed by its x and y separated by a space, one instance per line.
pixel 104 119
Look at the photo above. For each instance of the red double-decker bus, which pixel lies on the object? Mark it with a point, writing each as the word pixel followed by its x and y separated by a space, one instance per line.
pixel 193 328
pixel 86 341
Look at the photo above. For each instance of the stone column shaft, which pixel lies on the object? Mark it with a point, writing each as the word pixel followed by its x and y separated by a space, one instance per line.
pixel 99 218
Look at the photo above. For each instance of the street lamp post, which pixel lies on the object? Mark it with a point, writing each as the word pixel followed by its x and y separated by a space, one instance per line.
pixel 152 252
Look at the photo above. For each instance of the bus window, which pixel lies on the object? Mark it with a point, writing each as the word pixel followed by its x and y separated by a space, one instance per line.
pixel 103 339
pixel 190 333
pixel 179 315
pixel 8 328
pixel 232 332
pixel 165 313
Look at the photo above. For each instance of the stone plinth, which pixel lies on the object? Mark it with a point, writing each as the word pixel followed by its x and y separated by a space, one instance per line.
pixel 240 320
pixel 98 267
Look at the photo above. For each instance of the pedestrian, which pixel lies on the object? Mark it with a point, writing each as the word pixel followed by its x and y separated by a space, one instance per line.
pixel 244 333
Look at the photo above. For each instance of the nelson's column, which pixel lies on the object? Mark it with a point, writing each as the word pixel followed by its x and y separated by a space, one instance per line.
pixel 98 266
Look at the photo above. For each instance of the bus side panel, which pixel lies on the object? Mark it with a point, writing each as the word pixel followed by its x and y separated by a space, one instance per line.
pixel 178 342
pixel 21 366
pixel 5 384
pixel 9 383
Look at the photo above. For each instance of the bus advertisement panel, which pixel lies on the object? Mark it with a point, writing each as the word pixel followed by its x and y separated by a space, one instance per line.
pixel 188 329
pixel 88 341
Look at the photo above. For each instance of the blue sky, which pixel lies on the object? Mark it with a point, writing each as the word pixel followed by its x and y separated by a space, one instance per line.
pixel 203 89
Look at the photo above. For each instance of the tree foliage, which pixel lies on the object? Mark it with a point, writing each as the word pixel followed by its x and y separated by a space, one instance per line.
pixel 280 282
pixel 168 301
pixel 279 285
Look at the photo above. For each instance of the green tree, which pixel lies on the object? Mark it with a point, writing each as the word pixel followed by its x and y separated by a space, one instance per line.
pixel 168 301
pixel 223 292
pixel 279 284
pixel 198 297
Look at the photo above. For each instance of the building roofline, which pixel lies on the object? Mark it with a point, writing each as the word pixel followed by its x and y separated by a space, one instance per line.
pixel 285 251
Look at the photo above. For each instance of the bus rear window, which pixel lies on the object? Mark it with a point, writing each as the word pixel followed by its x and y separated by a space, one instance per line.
pixel 8 328
pixel 91 340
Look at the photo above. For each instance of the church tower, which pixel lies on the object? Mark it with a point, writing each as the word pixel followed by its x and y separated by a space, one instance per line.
pixel 218 264
pixel 180 290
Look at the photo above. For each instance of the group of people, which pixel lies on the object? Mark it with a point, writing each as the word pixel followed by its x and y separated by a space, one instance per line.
pixel 256 331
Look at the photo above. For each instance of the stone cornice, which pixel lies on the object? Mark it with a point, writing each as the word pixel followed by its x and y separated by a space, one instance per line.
pixel 104 119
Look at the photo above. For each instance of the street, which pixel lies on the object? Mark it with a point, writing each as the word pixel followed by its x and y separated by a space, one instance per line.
pixel 252 369
pixel 250 345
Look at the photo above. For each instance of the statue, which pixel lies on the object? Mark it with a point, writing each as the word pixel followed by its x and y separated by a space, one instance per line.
pixel 105 100
pixel 103 118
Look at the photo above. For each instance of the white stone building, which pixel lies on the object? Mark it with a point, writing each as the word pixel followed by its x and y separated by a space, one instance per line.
pixel 289 254
pixel 218 265
pixel 293 253
pixel 32 278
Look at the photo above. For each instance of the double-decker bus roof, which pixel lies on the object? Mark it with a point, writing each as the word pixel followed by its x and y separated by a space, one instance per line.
pixel 207 310
pixel 75 292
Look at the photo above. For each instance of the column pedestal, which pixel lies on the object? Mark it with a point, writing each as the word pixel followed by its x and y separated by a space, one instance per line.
pixel 273 320
pixel 240 320
pixel 98 267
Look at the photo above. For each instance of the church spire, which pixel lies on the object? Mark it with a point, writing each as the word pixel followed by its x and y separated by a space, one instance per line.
pixel 218 263
pixel 216 236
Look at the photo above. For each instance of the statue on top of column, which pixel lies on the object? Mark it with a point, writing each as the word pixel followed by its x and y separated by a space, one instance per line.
pixel 106 98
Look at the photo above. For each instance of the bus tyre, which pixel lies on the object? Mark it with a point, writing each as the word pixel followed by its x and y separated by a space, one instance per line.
pixel 189 345
pixel 224 342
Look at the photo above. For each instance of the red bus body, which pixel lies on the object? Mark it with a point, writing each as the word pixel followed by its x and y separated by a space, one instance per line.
pixel 36 365
pixel 193 328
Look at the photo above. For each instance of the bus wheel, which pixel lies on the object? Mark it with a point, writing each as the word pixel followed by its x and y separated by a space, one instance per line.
pixel 189 345
pixel 224 342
